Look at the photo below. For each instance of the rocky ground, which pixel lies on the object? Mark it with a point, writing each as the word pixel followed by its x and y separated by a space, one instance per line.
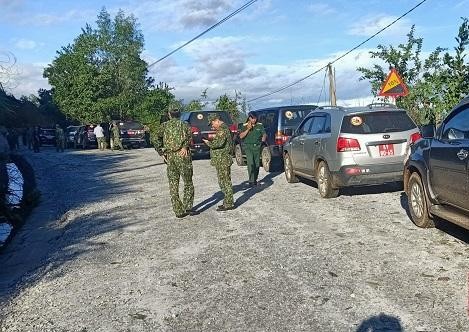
pixel 103 252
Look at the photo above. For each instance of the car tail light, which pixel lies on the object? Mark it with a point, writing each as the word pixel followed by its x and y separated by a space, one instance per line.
pixel 353 171
pixel 415 137
pixel 234 128
pixel 347 144
pixel 195 130
pixel 281 138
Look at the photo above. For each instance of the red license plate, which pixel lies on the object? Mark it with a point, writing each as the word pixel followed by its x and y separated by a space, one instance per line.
pixel 130 132
pixel 386 150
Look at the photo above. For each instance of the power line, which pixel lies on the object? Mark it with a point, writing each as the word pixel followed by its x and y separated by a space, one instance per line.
pixel 246 5
pixel 340 57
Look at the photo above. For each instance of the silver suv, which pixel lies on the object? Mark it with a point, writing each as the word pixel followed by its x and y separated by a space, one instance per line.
pixel 350 146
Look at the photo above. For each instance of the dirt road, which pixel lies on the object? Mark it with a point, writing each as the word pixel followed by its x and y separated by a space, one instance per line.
pixel 103 252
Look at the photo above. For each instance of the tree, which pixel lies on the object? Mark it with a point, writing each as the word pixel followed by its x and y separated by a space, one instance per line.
pixel 101 76
pixel 435 84
pixel 225 103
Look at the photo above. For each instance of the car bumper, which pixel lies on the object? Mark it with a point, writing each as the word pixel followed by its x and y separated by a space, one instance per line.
pixel 363 175
pixel 200 149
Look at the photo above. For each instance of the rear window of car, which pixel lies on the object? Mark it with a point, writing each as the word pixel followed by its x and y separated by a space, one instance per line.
pixel 200 119
pixel 377 122
pixel 293 117
pixel 130 125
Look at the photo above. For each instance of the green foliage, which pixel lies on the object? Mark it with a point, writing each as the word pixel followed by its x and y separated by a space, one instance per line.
pixel 101 75
pixel 29 111
pixel 225 103
pixel 435 84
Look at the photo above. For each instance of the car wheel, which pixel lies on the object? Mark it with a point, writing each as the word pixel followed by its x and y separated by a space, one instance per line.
pixel 239 156
pixel 324 181
pixel 266 158
pixel 417 202
pixel 289 173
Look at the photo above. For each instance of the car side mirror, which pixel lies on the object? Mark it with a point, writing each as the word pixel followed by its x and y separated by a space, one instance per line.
pixel 428 131
pixel 288 132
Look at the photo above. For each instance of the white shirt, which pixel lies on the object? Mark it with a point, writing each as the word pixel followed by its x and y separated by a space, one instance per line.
pixel 98 131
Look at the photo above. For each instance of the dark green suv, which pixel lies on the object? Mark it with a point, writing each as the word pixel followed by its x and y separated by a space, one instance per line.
pixel 279 123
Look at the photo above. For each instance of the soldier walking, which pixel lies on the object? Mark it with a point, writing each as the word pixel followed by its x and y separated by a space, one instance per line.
pixel 59 138
pixel 220 154
pixel 173 145
pixel 253 135
pixel 116 136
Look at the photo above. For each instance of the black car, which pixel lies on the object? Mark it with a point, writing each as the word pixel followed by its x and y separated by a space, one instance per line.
pixel 436 174
pixel 198 121
pixel 47 136
pixel 132 134
pixel 279 123
pixel 84 137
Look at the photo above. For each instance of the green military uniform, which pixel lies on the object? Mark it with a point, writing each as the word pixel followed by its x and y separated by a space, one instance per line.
pixel 59 139
pixel 174 136
pixel 116 137
pixel 221 148
pixel 252 147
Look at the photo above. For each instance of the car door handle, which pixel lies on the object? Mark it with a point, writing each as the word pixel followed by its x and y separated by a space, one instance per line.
pixel 301 141
pixel 462 154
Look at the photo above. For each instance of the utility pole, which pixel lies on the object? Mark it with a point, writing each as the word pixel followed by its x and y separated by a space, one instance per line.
pixel 332 90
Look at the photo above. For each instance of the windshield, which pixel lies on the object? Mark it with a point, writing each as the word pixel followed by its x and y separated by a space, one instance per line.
pixel 377 122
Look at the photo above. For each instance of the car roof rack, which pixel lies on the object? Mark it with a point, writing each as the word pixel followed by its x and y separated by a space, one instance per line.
pixel 385 105
pixel 330 107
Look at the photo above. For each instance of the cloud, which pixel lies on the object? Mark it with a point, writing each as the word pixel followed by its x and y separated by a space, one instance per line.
pixel 26 44
pixel 28 79
pixel 222 65
pixel 321 9
pixel 179 15
pixel 370 25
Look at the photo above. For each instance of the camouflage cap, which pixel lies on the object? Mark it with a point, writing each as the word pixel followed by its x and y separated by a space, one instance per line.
pixel 213 117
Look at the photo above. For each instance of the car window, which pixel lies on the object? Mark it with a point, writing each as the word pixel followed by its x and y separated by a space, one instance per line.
pixel 130 125
pixel 305 126
pixel 200 119
pixel 293 117
pixel 377 122
pixel 269 120
pixel 458 126
pixel 318 125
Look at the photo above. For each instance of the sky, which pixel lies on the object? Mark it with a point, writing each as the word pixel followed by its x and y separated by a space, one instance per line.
pixel 269 45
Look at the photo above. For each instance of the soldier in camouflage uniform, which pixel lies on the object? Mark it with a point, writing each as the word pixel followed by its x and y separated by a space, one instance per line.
pixel 173 144
pixel 116 136
pixel 59 138
pixel 221 148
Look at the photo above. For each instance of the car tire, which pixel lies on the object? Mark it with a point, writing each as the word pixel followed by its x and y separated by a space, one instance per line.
pixel 418 203
pixel 266 159
pixel 324 181
pixel 239 156
pixel 289 172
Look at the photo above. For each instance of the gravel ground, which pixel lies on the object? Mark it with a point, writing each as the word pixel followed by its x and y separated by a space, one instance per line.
pixel 103 252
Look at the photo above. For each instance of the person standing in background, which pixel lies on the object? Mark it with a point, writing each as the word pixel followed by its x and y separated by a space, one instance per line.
pixel 99 133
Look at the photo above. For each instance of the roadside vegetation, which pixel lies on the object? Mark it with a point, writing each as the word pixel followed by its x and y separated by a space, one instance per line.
pixel 436 83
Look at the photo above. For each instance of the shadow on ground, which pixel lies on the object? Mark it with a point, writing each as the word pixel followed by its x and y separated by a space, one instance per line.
pixel 248 192
pixel 52 235
pixel 380 323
